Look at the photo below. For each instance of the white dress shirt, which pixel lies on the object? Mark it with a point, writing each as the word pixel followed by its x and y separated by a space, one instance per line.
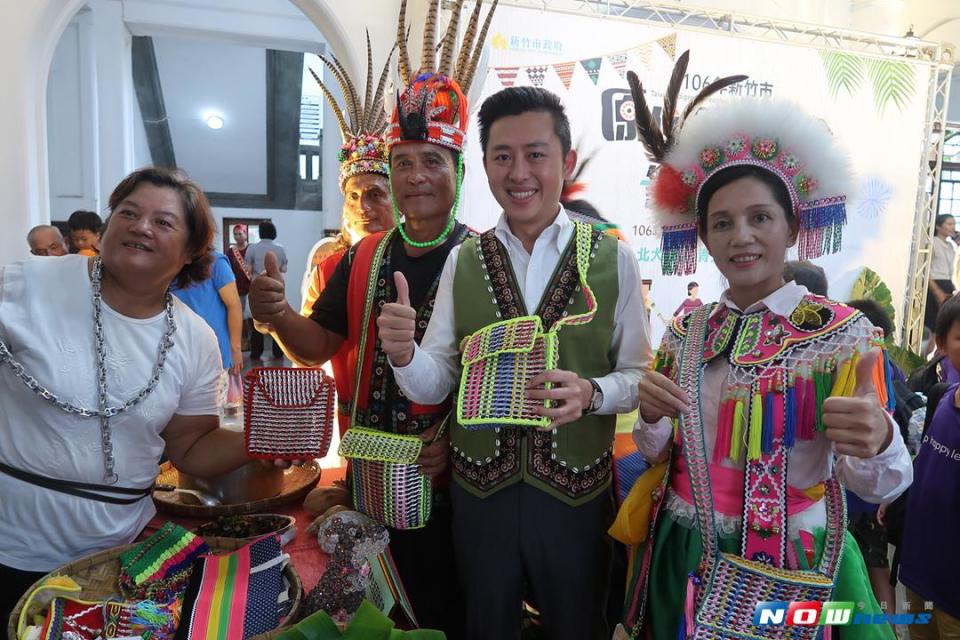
pixel 878 479
pixel 435 368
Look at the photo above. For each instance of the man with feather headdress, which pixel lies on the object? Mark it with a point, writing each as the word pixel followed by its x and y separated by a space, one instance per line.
pixel 364 172
pixel 424 141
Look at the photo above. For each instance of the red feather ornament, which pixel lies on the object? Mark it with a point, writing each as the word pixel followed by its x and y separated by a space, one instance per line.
pixel 669 191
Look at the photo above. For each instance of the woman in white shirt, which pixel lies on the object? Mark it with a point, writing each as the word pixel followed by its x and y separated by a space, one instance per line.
pixel 940 286
pixel 129 373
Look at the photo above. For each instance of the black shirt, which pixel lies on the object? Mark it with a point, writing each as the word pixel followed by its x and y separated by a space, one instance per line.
pixel 330 309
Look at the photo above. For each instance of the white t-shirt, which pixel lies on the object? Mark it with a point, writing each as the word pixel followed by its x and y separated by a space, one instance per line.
pixel 944 254
pixel 46 320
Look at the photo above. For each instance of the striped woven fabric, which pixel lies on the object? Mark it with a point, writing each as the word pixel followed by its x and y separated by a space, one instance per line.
pixel 236 595
pixel 158 568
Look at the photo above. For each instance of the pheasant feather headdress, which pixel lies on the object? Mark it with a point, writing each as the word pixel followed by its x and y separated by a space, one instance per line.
pixel 362 119
pixel 433 106
pixel 776 137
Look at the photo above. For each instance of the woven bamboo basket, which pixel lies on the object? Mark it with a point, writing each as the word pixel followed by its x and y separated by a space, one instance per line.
pixel 99 573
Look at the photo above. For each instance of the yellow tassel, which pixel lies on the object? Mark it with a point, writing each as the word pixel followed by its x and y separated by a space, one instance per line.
pixel 756 427
pixel 851 384
pixel 736 436
pixel 840 381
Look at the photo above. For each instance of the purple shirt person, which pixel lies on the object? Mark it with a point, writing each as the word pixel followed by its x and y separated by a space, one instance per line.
pixel 932 524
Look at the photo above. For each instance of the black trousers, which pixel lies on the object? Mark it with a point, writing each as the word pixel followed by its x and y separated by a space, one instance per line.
pixel 428 569
pixel 521 540
pixel 256 345
pixel 13 584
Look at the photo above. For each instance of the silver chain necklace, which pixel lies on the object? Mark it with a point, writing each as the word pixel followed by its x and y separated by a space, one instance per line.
pixel 103 412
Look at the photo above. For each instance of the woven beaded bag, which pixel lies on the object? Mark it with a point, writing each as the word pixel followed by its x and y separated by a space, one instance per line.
pixel 288 413
pixel 386 483
pixel 731 585
pixel 500 359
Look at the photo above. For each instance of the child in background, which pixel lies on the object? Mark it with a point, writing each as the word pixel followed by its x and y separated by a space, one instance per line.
pixel 85 232
pixel 928 567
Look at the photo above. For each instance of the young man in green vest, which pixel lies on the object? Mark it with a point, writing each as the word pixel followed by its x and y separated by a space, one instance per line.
pixel 531 506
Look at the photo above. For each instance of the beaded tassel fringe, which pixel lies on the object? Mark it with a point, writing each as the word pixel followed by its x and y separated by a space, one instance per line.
pixel 821 227
pixel 747 417
pixel 678 250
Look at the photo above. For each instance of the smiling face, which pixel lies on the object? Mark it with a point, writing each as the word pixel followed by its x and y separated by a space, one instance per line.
pixel 526 166
pixel 366 205
pixel 424 180
pixel 747 234
pixel 146 235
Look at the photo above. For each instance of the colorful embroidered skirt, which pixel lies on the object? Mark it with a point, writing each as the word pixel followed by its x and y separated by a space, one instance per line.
pixel 676 553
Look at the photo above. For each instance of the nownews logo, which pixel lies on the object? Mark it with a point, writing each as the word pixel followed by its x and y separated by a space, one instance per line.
pixel 809 614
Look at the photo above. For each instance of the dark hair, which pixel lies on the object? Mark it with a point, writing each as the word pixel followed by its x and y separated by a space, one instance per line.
pixel 201 227
pixel 519 100
pixel 948 315
pixel 731 174
pixel 691 286
pixel 813 277
pixel 941 219
pixel 82 220
pixel 584 208
pixel 268 231
pixel 874 313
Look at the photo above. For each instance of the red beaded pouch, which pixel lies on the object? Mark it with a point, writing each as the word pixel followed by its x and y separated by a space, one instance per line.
pixel 288 413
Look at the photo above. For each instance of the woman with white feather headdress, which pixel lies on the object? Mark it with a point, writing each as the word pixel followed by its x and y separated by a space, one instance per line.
pixel 758 404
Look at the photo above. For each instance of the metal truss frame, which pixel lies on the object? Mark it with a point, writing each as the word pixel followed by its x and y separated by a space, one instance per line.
pixel 939 61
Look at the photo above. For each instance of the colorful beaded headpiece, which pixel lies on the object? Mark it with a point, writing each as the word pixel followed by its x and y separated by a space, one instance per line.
pixel 777 137
pixel 433 107
pixel 362 122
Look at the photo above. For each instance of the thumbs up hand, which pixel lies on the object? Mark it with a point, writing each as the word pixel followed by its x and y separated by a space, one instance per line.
pixel 858 425
pixel 268 302
pixel 397 323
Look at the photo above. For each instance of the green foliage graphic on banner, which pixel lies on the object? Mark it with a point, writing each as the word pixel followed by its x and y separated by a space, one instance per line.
pixel 891 80
pixel 844 71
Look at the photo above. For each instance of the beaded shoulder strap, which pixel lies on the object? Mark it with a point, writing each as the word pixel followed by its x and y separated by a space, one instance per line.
pixel 690 371
pixel 584 239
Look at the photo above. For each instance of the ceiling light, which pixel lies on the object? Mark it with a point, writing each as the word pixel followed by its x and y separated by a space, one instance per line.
pixel 215 121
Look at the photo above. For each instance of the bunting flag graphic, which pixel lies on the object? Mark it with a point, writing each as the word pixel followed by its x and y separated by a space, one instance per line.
pixel 619 62
pixel 536 75
pixel 565 71
pixel 507 75
pixel 592 67
pixel 669 45
pixel 644 54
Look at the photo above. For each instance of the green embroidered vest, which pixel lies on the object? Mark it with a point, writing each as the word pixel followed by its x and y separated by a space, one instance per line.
pixel 573 462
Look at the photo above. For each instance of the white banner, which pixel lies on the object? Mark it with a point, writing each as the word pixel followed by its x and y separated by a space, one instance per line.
pixel 876 108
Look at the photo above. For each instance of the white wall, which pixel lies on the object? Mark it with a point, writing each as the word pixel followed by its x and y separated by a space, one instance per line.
pixel 72 122
pixel 204 76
